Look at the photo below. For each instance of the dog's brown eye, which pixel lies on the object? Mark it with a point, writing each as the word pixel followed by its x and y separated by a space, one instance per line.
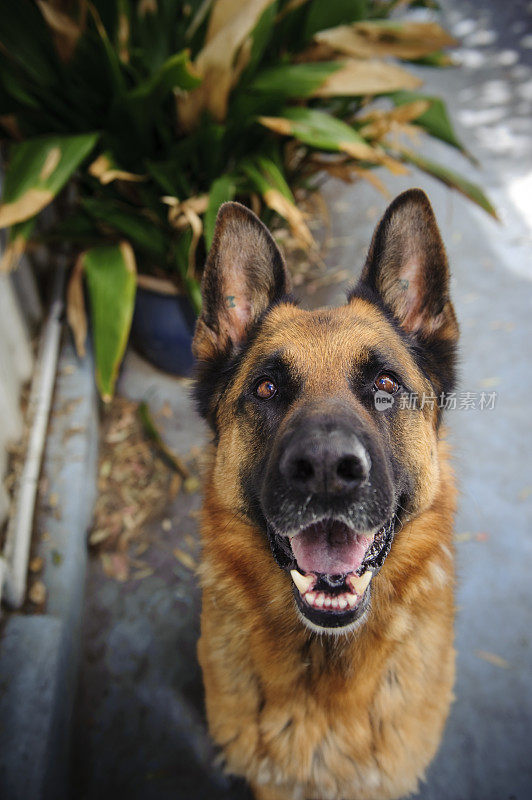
pixel 386 383
pixel 266 390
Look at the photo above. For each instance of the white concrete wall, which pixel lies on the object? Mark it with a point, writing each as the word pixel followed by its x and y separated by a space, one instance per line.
pixel 17 311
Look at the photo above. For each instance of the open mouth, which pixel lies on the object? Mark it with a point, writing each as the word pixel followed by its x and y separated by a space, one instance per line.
pixel 332 566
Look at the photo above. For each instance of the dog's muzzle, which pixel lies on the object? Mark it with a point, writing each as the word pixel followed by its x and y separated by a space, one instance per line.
pixel 332 567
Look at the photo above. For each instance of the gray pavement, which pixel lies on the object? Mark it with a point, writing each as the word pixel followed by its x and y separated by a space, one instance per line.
pixel 40 652
pixel 139 725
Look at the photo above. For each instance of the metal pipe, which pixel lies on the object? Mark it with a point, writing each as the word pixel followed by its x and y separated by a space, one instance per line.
pixel 20 527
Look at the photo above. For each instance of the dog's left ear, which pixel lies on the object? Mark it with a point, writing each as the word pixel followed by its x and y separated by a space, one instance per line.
pixel 407 267
pixel 245 273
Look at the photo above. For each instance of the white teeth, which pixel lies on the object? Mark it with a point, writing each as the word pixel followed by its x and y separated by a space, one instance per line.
pixel 338 602
pixel 303 582
pixel 352 600
pixel 360 584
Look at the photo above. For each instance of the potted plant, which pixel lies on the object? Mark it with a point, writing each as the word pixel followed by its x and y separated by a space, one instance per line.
pixel 158 111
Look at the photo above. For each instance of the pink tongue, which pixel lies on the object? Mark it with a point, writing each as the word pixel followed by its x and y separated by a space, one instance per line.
pixel 329 547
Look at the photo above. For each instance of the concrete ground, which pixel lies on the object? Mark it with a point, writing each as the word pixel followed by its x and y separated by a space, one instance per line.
pixel 139 727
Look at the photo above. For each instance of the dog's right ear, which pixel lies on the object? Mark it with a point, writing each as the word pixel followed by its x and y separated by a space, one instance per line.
pixel 245 273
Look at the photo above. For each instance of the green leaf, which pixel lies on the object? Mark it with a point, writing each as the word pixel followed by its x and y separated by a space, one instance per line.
pixel 182 251
pixel 111 282
pixel 37 170
pixel 143 232
pixel 261 36
pixel 267 179
pixel 194 292
pixel 435 120
pixel 275 176
pixel 437 59
pixel 167 175
pixel 259 182
pixel 113 61
pixel 26 39
pixel 22 230
pixel 177 72
pixel 452 179
pixel 295 80
pixel 222 190
pixel 18 238
pixel 77 228
pixel 319 129
pixel 324 14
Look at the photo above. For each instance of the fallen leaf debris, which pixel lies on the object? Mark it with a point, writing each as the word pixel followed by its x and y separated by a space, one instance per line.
pixel 138 476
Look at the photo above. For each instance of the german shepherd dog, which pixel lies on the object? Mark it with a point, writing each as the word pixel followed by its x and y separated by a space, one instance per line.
pixel 327 568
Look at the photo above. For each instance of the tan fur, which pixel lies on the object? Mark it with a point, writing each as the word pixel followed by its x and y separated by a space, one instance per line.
pixel 351 717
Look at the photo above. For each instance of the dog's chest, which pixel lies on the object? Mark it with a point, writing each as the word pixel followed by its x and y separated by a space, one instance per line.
pixel 331 732
pixel 349 732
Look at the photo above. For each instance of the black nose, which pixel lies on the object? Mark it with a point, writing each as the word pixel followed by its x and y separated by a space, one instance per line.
pixel 327 463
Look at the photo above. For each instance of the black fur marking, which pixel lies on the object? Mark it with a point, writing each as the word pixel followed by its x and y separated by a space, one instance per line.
pixel 365 372
pixel 213 377
pixel 435 357
pixel 288 386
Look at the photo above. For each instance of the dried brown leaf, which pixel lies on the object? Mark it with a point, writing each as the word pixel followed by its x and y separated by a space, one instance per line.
pixel 222 12
pixel 12 254
pixel 10 123
pixel 275 200
pixel 185 559
pixel 161 285
pixel 123 38
pixel 116 565
pixel 175 485
pixel 242 60
pixel 409 40
pixel 292 5
pixel 184 215
pixel 53 157
pixel 233 22
pixel 99 535
pixel 377 124
pixel 358 77
pixel 65 31
pixel 277 124
pixel 75 307
pixel 374 155
pixel 142 573
pixel 106 172
pixel 493 658
pixel 146 7
pixel 29 204
pixel 370 176
pixel 37 593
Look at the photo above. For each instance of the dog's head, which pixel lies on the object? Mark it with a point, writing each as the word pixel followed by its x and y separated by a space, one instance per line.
pixel 320 440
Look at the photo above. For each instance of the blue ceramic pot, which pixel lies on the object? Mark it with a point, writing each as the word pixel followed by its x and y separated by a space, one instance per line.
pixel 162 330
